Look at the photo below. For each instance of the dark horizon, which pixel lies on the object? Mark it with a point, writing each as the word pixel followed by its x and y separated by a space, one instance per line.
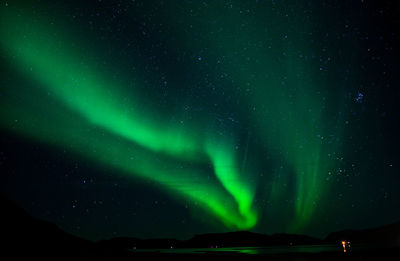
pixel 42 239
pixel 19 224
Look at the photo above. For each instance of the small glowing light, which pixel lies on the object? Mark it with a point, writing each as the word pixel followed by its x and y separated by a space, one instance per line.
pixel 346 245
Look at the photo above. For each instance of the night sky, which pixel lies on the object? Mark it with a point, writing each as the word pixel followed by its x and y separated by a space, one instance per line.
pixel 172 118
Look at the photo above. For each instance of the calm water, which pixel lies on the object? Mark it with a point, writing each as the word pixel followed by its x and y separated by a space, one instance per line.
pixel 251 250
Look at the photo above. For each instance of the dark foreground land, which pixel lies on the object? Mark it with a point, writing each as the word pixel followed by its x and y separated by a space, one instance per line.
pixel 26 238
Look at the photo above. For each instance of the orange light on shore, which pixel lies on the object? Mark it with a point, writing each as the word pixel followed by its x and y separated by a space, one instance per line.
pixel 345 244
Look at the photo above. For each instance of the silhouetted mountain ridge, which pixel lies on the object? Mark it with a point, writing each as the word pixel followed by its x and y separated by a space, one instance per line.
pixel 21 231
pixel 25 236
pixel 246 238
pixel 388 235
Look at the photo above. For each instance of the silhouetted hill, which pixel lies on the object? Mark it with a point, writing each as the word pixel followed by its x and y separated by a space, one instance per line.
pixel 382 236
pixel 245 238
pixel 388 235
pixel 294 239
pixel 25 236
pixel 230 239
pixel 131 243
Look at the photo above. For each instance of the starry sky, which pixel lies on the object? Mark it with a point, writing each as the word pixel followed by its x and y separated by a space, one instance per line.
pixel 172 118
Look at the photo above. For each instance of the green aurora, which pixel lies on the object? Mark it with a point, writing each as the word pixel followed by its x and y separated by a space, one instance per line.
pixel 68 98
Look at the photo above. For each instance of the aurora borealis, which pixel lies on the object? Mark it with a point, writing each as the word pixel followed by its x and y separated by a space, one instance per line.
pixel 240 115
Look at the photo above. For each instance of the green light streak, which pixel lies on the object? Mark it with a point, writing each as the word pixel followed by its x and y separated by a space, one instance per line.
pixel 267 57
pixel 227 173
pixel 257 58
pixel 85 111
pixel 68 76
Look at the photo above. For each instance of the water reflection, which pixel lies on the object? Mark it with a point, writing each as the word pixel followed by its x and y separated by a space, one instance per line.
pixel 251 250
